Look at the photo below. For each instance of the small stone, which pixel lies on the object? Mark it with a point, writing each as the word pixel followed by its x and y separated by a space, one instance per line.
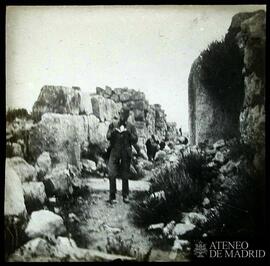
pixel 56 210
pixel 211 164
pixel 219 157
pixel 168 228
pixel 89 166
pixel 158 195
pixel 179 244
pixel 52 199
pixel 220 143
pixel 156 226
pixel 205 202
pixel 181 229
pixel 193 218
pixel 73 217
pixel 228 167
pixel 221 178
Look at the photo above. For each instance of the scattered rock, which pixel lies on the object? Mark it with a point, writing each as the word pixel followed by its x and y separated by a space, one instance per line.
pixel 59 250
pixel 156 226
pixel 230 166
pixel 110 229
pixel 158 195
pixel 16 150
pixel 45 223
pixel 168 229
pixel 73 217
pixel 210 151
pixel 221 178
pixel 25 171
pixel 220 143
pixel 133 172
pixel 14 200
pixel 160 155
pixel 143 154
pixel 219 157
pixel 59 181
pixel 193 218
pixel 179 244
pixel 181 229
pixel 43 165
pixel 34 195
pixel 52 200
pixel 89 166
pixel 206 202
pixel 173 159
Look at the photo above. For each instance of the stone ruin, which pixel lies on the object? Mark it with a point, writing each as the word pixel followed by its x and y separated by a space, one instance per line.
pixel 69 122
pixel 208 118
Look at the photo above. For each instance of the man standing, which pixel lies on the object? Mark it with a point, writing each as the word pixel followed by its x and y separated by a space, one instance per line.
pixel 152 146
pixel 122 135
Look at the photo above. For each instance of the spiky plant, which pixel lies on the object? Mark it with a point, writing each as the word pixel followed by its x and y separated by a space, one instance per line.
pixel 182 186
pixel 241 211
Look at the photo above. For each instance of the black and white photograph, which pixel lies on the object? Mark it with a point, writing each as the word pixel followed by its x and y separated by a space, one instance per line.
pixel 135 133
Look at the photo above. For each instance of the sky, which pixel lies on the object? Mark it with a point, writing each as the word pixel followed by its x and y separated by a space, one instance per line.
pixel 146 48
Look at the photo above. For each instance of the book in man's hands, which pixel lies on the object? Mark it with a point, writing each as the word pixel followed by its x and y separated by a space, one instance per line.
pixel 121 129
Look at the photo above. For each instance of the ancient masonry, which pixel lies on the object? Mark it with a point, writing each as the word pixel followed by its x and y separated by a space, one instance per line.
pixel 210 120
pixel 70 121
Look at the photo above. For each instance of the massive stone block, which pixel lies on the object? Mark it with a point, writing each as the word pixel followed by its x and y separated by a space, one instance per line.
pixel 57 99
pixel 105 109
pixel 251 40
pixel 66 136
pixel 14 200
pixel 211 119
pixel 86 103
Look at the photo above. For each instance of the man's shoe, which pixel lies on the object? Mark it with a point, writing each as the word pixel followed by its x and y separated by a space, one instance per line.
pixel 126 199
pixel 112 201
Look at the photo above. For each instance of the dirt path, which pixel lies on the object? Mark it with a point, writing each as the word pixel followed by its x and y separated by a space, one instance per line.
pixel 109 228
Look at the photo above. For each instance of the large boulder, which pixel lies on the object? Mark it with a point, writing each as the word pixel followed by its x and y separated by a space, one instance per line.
pixel 16 150
pixel 60 135
pixel 43 164
pixel 57 99
pixel 45 223
pixel 86 104
pixel 182 228
pixel 65 137
pixel 89 166
pixel 58 250
pixel 34 195
pixel 60 181
pixel 14 200
pixel 105 109
pixel 193 218
pixel 25 171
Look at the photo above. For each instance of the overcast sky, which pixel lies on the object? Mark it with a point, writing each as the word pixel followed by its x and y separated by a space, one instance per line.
pixel 147 48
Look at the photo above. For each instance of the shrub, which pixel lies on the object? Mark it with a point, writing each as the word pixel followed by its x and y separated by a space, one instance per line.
pixel 77 203
pixel 12 114
pixel 222 64
pixel 241 149
pixel 242 211
pixel 182 186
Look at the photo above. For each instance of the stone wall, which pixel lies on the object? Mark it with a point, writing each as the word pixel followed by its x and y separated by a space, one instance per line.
pixel 148 119
pixel 213 116
pixel 251 40
pixel 71 123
